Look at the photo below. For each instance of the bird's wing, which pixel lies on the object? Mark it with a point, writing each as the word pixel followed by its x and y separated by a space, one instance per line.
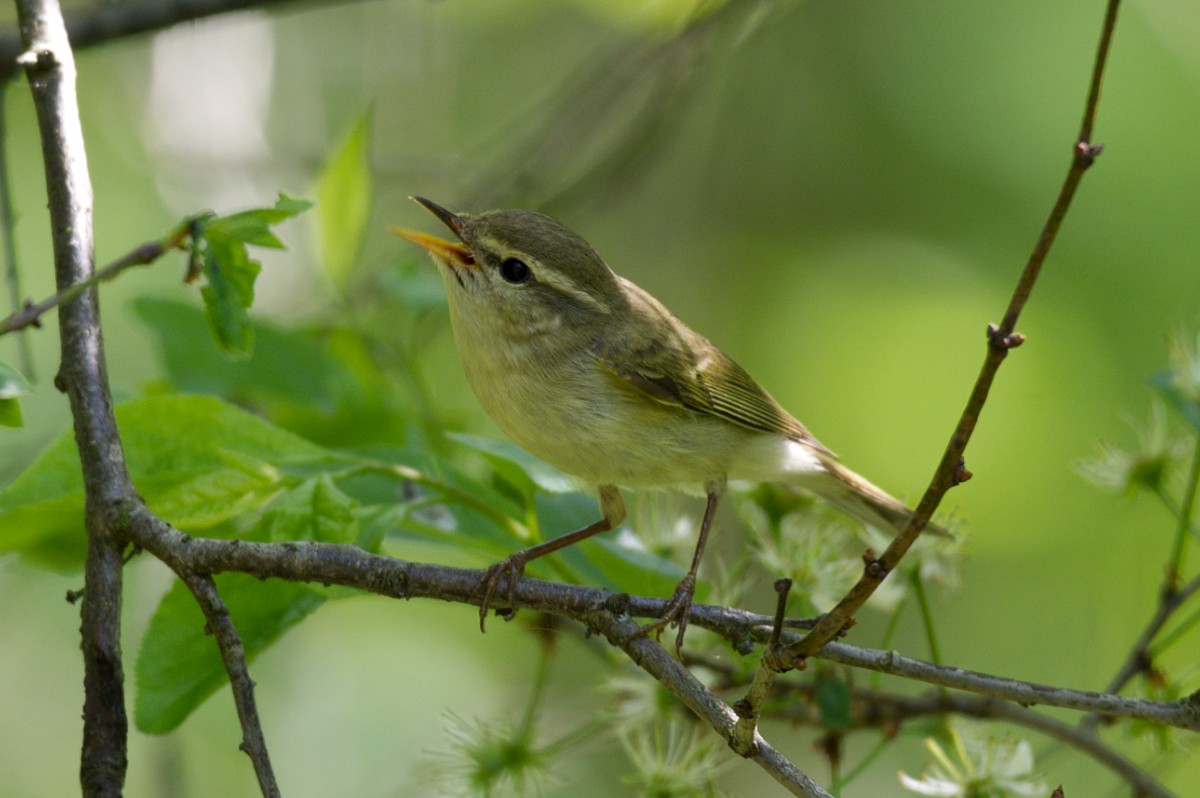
pixel 695 375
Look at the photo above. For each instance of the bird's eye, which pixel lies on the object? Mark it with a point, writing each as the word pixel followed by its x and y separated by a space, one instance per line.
pixel 514 271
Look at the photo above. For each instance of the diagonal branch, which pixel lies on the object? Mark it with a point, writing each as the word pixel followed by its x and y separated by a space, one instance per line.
pixel 233 653
pixel 31 314
pixel 1001 339
pixel 671 673
pixel 950 470
pixel 1139 659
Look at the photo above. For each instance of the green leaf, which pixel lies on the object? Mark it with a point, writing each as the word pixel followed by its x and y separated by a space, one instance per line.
pixel 503 455
pixel 288 368
pixel 196 460
pixel 375 522
pixel 12 386
pixel 179 665
pixel 228 293
pixel 313 510
pixel 254 226
pixel 833 700
pixel 229 271
pixel 613 559
pixel 344 194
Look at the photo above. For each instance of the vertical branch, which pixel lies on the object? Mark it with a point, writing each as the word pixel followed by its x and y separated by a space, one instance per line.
pixel 50 69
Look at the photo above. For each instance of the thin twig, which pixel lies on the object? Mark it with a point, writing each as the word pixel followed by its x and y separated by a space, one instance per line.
pixel 748 708
pixel 50 69
pixel 1170 713
pixel 1170 596
pixel 951 470
pixel 31 314
pixel 1138 660
pixel 886 711
pixel 233 654
pixel 1179 546
pixel 1001 339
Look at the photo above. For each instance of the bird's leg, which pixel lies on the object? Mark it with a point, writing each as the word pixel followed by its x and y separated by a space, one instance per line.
pixel 677 606
pixel 512 568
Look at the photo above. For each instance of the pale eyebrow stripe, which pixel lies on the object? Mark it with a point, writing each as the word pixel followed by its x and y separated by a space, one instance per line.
pixel 564 284
pixel 550 277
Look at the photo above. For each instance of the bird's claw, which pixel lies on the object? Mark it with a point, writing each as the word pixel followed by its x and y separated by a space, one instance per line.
pixel 510 569
pixel 675 611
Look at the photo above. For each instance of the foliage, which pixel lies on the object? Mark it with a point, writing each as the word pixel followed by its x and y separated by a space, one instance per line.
pixel 13 385
pixel 325 429
pixel 218 251
pixel 287 433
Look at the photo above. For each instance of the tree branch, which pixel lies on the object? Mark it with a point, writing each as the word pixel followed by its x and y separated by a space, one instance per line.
pixel 875 709
pixel 950 470
pixel 1138 660
pixel 1175 713
pixel 652 658
pixel 100 24
pixel 116 516
pixel 50 68
pixel 31 314
pixel 350 566
pixel 233 654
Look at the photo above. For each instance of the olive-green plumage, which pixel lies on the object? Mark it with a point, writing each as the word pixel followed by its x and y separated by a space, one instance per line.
pixel 591 373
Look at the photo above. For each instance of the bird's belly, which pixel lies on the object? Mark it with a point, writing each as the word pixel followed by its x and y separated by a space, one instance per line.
pixel 604 436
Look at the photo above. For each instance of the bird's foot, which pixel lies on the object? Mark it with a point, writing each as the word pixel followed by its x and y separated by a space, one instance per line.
pixel 506 572
pixel 675 611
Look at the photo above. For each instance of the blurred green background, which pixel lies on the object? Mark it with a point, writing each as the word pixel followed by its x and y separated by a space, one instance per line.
pixel 840 195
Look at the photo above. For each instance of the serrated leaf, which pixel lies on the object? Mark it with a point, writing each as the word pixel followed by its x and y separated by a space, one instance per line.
pixel 344 191
pixel 313 510
pixel 179 666
pixel 229 271
pixel 196 460
pixel 254 226
pixel 13 385
pixel 201 497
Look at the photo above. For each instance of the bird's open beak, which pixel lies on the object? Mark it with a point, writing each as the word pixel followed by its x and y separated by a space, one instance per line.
pixel 452 252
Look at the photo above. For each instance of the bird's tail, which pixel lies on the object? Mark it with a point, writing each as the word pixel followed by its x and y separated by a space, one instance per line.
pixel 861 499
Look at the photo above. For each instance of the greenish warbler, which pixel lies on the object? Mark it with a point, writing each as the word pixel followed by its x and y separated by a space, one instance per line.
pixel 589 372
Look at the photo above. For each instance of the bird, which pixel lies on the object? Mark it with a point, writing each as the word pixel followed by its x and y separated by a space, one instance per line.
pixel 590 373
